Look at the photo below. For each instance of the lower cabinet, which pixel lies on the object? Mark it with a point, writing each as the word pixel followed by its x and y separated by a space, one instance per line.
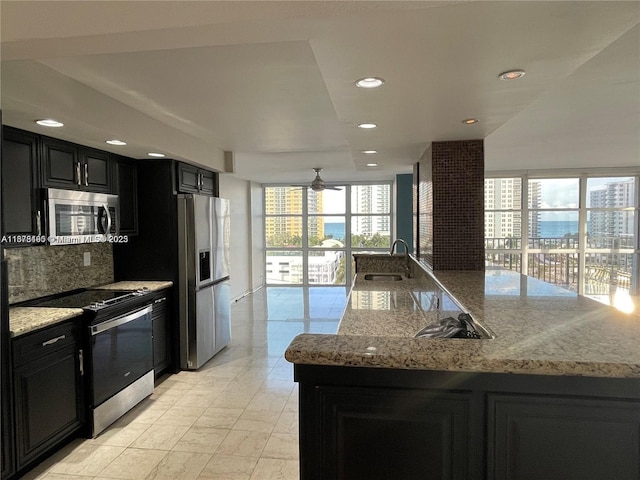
pixel 406 434
pixel 531 438
pixel 48 388
pixel 380 424
pixel 161 334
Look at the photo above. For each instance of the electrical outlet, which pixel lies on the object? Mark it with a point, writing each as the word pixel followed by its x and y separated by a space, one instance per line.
pixel 87 259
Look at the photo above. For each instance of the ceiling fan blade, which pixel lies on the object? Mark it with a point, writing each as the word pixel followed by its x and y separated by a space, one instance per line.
pixel 332 188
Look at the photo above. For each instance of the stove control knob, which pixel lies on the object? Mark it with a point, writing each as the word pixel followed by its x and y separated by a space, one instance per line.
pixel 94 305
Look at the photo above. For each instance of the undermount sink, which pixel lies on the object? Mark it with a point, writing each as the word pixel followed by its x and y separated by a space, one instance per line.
pixel 383 277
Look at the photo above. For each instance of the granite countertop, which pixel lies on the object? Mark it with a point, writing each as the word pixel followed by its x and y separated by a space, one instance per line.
pixel 539 329
pixel 26 319
pixel 152 285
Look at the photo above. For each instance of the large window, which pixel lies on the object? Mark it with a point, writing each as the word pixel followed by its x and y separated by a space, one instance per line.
pixel 580 233
pixel 311 235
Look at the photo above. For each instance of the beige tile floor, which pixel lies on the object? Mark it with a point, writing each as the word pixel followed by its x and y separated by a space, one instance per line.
pixel 234 419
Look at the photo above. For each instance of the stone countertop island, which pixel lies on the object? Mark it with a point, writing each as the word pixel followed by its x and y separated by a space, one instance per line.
pixel 555 394
pixel 539 328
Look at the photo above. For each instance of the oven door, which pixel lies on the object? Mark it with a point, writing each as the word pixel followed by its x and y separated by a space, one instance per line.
pixel 121 353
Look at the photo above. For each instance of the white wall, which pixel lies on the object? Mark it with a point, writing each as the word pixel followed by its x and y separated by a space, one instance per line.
pixel 247 237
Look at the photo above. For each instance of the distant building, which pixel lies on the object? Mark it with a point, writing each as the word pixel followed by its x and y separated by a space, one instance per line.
pixel 287 269
pixel 502 203
pixel 371 199
pixel 606 228
pixel 284 201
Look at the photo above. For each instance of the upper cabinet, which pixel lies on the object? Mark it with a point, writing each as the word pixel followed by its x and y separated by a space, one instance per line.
pixel 21 212
pixel 196 180
pixel 70 166
pixel 31 162
pixel 127 190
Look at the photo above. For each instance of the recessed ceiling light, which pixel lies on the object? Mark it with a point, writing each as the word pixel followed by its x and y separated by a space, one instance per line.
pixel 470 121
pixel 369 82
pixel 49 122
pixel 372 164
pixel 157 155
pixel 367 125
pixel 116 142
pixel 511 75
pixel 369 152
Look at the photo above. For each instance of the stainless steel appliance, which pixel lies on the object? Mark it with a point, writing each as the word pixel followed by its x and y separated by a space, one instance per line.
pixel 119 360
pixel 80 217
pixel 203 278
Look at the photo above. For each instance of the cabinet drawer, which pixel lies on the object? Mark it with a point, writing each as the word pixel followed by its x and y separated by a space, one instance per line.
pixel 35 345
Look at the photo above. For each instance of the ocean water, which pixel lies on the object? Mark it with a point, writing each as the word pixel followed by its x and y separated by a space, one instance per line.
pixel 336 230
pixel 550 228
pixel 547 229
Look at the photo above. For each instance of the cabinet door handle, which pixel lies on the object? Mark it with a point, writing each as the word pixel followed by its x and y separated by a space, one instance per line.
pixel 160 300
pixel 199 181
pixel 78 173
pixel 53 340
pixel 86 174
pixel 81 361
pixel 38 224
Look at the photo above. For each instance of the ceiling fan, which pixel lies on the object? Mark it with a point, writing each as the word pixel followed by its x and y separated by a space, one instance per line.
pixel 318 185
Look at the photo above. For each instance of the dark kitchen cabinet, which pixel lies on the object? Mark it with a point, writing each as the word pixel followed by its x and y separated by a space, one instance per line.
pixel 21 212
pixel 6 420
pixel 48 390
pixel 426 432
pixel 379 423
pixel 161 334
pixel 96 170
pixel 127 190
pixel 70 166
pixel 558 438
pixel 196 180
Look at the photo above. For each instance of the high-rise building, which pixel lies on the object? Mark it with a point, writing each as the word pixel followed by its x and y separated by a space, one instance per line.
pixel 611 224
pixel 371 199
pixel 535 201
pixel 285 204
pixel 502 203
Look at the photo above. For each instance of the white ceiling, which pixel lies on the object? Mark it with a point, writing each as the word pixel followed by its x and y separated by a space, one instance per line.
pixel 274 81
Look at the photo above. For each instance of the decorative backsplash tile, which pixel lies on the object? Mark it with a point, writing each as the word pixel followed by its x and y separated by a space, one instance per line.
pixel 380 263
pixel 450 205
pixel 45 270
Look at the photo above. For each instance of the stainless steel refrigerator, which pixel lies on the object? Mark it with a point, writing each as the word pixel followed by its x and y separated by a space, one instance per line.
pixel 203 273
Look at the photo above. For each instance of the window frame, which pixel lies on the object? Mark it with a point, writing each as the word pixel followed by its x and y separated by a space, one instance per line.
pixel 348 249
pixel 583 249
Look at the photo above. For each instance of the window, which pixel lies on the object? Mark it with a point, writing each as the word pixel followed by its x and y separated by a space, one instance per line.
pixel 316 232
pixel 581 233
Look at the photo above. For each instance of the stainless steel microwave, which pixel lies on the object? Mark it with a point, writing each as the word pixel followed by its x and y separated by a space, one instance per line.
pixel 80 217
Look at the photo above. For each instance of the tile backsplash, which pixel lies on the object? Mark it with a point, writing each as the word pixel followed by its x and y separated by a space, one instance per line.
pixel 45 270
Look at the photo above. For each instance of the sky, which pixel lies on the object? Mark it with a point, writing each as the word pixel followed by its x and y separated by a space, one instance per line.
pixel 564 193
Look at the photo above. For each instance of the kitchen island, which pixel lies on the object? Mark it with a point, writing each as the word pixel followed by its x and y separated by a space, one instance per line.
pixel 554 395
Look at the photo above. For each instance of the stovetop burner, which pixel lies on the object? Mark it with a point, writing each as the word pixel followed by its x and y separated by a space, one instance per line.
pixel 92 300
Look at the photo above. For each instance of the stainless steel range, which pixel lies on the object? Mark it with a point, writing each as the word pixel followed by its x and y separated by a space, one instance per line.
pixel 119 340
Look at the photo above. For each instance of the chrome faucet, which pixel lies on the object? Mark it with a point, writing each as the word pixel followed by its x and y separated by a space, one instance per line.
pixel 406 254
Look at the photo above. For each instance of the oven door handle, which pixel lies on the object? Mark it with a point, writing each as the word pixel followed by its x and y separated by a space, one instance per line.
pixel 130 317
